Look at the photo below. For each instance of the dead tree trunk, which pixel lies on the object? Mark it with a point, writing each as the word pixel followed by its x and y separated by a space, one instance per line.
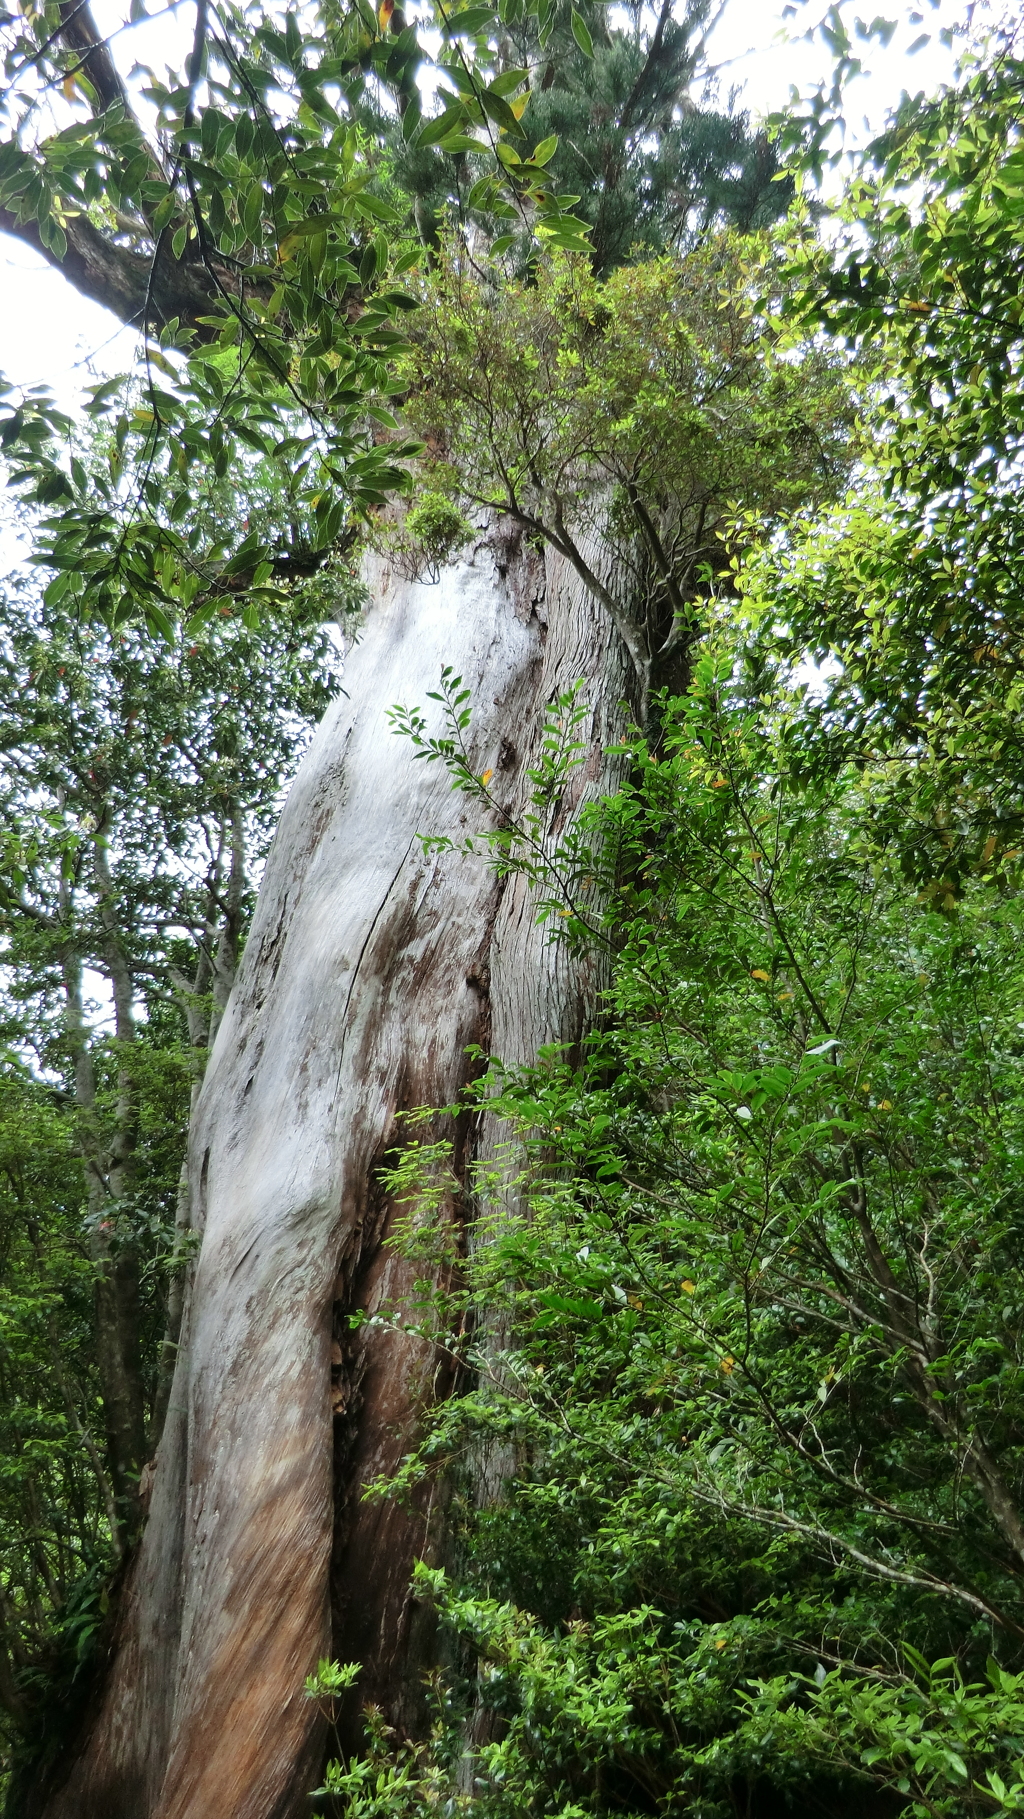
pixel 369 970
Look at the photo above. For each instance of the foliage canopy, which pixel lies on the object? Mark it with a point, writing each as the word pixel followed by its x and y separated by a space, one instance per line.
pixel 761 1369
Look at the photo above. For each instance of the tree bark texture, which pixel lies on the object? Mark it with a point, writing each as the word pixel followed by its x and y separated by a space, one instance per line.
pixel 370 968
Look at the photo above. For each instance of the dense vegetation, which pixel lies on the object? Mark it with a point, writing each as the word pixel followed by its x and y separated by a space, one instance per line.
pixel 750 1362
pixel 139 794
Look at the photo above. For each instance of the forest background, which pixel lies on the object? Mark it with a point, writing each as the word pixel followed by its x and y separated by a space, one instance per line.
pixel 751 1355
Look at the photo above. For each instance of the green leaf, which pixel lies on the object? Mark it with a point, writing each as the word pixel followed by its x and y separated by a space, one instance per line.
pixel 570 1304
pixel 470 20
pixel 499 111
pixel 434 130
pixel 581 34
pixel 509 80
pixel 158 621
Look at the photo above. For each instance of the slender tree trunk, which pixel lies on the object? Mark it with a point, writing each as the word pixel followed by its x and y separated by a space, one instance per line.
pixel 370 968
pixel 116 1290
pixel 119 1283
pixel 225 955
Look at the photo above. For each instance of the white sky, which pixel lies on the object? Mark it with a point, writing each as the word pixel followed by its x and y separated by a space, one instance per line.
pixel 49 334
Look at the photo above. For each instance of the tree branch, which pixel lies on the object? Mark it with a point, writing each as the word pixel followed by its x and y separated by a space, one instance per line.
pixel 78 31
pixel 119 278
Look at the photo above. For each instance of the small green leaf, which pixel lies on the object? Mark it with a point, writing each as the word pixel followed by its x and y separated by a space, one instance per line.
pixel 158 621
pixel 581 34
pixel 434 130
pixel 499 111
pixel 509 80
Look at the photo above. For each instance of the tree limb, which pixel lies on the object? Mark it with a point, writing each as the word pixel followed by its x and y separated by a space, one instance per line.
pixel 119 278
pixel 78 31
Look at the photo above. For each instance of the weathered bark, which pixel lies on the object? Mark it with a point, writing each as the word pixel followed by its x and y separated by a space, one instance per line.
pixel 370 968
pixel 216 965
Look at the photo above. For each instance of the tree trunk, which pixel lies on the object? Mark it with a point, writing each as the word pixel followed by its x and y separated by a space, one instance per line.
pixel 107 1159
pixel 370 968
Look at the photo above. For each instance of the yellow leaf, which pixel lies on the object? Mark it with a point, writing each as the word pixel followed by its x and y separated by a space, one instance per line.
pixel 518 106
pixel 486 778
pixel 69 86
pixel 387 7
pixel 723 1642
pixel 759 973
pixel 687 1286
pixel 728 1365
pixel 885 1105
pixel 783 996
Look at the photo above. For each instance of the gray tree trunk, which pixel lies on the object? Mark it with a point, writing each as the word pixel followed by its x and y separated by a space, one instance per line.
pixel 369 970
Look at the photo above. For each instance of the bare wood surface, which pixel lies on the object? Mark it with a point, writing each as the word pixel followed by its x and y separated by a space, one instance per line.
pixel 369 969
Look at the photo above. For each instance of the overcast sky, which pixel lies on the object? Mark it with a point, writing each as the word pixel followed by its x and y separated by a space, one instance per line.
pixel 49 334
